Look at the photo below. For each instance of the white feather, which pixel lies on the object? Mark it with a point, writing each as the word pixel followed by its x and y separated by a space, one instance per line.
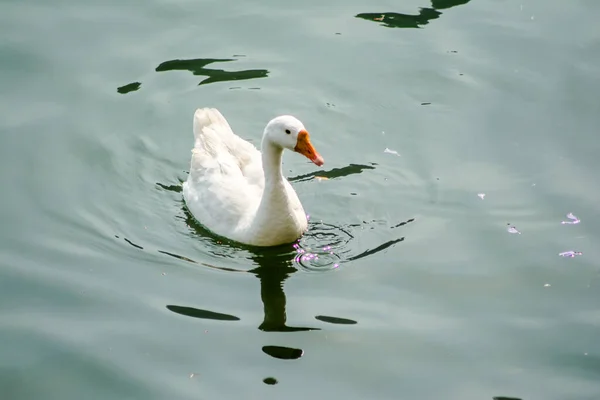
pixel 225 189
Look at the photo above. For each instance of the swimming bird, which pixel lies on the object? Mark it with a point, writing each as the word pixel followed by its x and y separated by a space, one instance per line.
pixel 240 193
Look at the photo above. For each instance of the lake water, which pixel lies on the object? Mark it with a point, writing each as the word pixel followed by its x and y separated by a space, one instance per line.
pixel 457 136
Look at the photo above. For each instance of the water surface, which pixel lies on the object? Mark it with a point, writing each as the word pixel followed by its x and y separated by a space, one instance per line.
pixel 109 289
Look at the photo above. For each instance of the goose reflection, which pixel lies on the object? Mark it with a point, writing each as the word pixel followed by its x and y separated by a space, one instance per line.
pixel 272 272
pixel 398 20
pixel 274 267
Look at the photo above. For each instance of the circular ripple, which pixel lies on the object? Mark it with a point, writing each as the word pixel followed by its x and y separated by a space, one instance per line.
pixel 322 248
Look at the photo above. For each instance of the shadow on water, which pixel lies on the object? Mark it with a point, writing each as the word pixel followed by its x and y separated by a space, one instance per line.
pixel 197 67
pixel 398 20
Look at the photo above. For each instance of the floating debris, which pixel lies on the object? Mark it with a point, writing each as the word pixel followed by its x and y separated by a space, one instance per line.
pixel 512 229
pixel 481 195
pixel 570 253
pixel 573 219
pixel 547 285
pixel 390 151
pixel 306 256
pixel 321 178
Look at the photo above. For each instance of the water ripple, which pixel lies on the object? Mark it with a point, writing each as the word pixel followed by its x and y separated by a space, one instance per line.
pixel 325 246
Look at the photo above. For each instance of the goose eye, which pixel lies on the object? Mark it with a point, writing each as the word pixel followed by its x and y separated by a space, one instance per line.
pixel 287 131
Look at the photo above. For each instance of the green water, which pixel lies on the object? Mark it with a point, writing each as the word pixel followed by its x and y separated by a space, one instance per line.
pixel 110 290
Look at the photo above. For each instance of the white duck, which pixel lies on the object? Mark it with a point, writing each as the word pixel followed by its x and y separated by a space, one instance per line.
pixel 240 193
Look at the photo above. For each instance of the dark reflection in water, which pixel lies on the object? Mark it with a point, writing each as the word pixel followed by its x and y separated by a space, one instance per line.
pixel 131 87
pixel 203 314
pixel 377 249
pixel 283 353
pixel 333 173
pixel 402 223
pixel 336 320
pixel 506 398
pixel 171 188
pixel 137 246
pixel 197 67
pixel 398 20
pixel 275 266
pixel 443 4
pixel 270 381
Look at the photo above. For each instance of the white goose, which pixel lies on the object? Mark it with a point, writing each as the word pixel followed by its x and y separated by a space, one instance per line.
pixel 240 193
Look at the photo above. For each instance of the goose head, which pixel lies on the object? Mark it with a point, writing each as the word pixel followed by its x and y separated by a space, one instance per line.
pixel 289 133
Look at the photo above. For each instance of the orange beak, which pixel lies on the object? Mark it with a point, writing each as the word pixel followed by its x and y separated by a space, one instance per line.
pixel 304 147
